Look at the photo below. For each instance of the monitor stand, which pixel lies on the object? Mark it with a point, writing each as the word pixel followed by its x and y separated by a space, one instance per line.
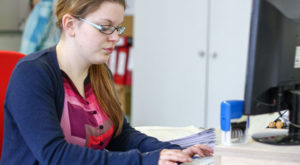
pixel 290 137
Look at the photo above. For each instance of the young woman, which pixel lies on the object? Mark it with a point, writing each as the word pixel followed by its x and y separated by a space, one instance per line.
pixel 61 107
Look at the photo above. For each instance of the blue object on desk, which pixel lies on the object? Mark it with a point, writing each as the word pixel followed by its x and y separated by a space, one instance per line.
pixel 232 109
pixel 234 126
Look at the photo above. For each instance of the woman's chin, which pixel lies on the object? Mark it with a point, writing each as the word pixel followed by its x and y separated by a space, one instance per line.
pixel 101 61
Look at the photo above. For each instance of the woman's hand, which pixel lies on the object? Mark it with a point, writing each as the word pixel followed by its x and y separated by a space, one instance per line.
pixel 199 149
pixel 172 156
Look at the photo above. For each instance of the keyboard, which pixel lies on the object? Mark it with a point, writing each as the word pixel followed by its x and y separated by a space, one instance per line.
pixel 201 161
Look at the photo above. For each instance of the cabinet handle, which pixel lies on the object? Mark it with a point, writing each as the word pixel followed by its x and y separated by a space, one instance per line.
pixel 214 55
pixel 201 54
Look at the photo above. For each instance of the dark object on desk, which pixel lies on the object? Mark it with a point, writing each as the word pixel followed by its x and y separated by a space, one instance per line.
pixel 273 71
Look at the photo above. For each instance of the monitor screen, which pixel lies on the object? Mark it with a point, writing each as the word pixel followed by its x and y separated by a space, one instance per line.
pixel 273 70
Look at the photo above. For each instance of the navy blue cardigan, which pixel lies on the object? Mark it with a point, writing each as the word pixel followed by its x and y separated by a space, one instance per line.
pixel 32 132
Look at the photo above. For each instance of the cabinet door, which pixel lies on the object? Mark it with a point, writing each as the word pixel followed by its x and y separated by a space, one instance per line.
pixel 170 38
pixel 228 47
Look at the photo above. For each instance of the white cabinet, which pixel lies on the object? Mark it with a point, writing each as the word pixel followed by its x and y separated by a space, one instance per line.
pixel 188 56
pixel 228 48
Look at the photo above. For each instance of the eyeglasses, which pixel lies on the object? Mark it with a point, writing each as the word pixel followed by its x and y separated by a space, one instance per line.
pixel 106 29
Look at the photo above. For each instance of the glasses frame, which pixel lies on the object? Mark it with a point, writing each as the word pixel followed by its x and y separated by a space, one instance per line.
pixel 120 30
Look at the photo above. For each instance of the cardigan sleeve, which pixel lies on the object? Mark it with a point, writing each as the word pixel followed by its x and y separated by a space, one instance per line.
pixel 31 103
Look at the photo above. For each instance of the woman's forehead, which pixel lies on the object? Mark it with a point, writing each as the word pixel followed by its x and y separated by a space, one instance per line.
pixel 108 12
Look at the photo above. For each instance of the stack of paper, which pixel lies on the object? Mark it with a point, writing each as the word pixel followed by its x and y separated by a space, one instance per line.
pixel 183 136
pixel 206 137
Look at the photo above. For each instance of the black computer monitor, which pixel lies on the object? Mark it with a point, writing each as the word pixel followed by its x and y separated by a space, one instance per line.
pixel 273 71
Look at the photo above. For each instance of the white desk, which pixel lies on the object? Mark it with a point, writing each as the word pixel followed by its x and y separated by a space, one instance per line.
pixel 254 153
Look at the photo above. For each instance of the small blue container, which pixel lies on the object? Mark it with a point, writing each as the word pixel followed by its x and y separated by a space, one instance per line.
pixel 234 125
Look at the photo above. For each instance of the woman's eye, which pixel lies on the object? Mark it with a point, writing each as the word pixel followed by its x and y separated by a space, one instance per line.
pixel 106 28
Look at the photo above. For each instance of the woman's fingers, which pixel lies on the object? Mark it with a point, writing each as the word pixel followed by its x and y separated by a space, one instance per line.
pixel 207 151
pixel 199 149
pixel 166 162
pixel 194 150
pixel 174 156
pixel 204 147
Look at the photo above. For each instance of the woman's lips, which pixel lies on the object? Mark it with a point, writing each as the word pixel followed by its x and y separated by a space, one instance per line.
pixel 109 50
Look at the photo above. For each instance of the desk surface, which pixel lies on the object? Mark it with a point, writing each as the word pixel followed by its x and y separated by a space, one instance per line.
pixel 259 151
pixel 250 153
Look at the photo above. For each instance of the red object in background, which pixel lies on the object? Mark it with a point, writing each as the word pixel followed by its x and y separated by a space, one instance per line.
pixel 121 66
pixel 8 60
pixel 123 42
pixel 128 80
pixel 119 61
pixel 112 62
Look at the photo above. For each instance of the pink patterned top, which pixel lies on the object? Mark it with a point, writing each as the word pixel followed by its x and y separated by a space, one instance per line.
pixel 83 122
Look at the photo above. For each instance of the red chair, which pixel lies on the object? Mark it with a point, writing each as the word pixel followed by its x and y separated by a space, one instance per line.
pixel 8 60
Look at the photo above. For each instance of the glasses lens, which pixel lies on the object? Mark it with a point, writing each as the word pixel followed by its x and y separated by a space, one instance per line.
pixel 111 29
pixel 107 29
pixel 121 29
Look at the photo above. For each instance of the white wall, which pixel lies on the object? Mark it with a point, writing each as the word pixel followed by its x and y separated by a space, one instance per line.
pixel 13 14
pixel 10 40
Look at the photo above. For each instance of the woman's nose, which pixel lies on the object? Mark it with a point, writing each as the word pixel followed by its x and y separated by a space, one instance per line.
pixel 115 37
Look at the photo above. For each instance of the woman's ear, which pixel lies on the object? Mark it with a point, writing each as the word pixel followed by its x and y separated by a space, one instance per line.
pixel 68 25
